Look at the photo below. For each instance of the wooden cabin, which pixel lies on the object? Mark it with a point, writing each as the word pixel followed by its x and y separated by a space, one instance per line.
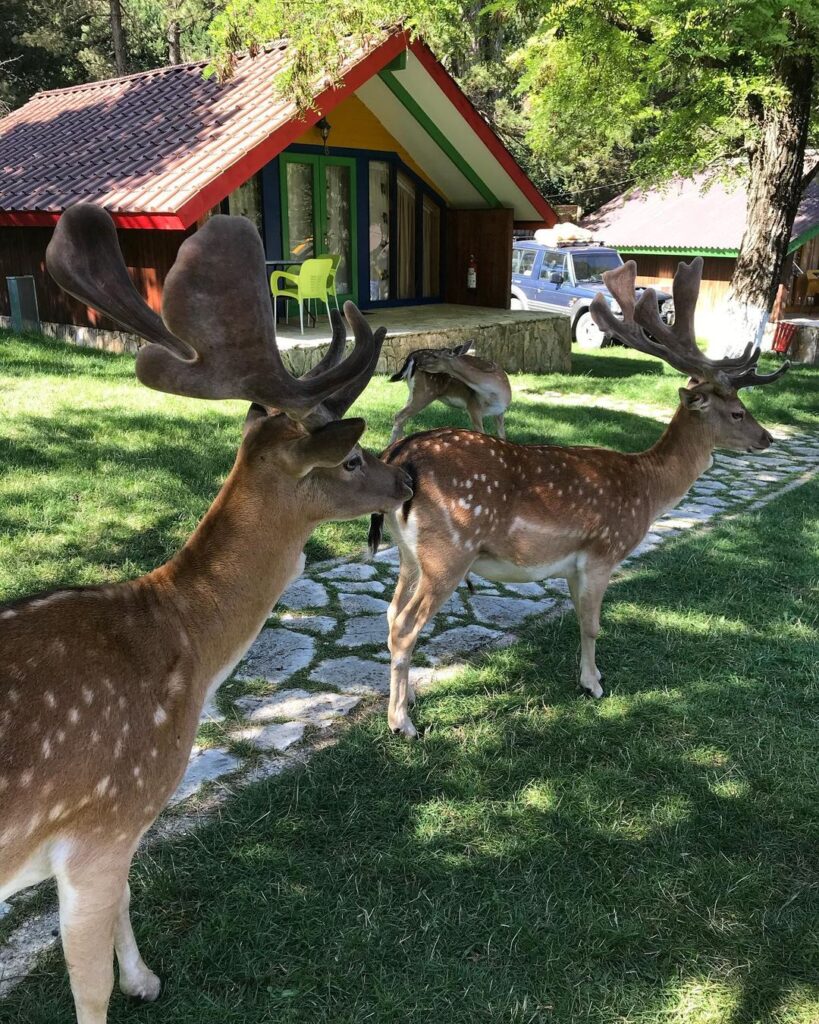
pixel 659 227
pixel 394 170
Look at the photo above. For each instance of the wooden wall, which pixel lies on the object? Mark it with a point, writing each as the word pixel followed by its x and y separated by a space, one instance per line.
pixel 486 234
pixel 148 255
pixel 658 271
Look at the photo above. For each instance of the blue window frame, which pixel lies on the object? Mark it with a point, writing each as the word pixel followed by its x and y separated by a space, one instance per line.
pixel 272 223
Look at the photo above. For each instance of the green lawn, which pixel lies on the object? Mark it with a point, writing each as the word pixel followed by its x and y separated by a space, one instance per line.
pixel 103 479
pixel 539 858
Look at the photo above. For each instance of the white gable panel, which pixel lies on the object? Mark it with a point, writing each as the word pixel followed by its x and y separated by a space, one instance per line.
pixel 452 124
pixel 400 123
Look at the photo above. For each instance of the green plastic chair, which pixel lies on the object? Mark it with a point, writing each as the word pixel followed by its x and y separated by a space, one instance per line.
pixel 309 283
pixel 331 278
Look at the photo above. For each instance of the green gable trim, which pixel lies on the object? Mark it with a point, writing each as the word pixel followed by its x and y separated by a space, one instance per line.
pixel 437 136
pixel 806 236
pixel 398 63
pixel 677 250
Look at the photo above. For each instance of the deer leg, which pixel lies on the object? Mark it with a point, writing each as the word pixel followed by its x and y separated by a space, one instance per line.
pixel 135 978
pixel 587 590
pixel 91 897
pixel 429 594
pixel 412 408
pixel 500 426
pixel 474 410
pixel 407 579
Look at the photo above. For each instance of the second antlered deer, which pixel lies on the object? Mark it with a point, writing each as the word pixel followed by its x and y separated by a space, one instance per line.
pixel 515 513
pixel 451 376
pixel 101 688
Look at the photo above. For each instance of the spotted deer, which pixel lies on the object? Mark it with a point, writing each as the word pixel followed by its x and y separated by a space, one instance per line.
pixel 102 687
pixel 515 513
pixel 458 380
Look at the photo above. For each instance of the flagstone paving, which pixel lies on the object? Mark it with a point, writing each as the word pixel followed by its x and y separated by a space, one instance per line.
pixel 322 654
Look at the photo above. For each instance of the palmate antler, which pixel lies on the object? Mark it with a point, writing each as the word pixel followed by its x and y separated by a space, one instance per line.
pixel 642 328
pixel 216 337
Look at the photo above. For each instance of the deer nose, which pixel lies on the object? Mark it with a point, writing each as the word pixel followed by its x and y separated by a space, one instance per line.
pixel 767 438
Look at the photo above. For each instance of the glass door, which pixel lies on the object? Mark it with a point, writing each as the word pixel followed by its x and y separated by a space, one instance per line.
pixel 318 213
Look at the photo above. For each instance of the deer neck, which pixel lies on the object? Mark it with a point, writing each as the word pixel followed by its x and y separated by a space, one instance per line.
pixel 222 585
pixel 677 460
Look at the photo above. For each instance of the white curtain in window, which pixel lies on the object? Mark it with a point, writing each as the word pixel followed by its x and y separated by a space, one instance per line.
pixel 432 248
pixel 379 230
pixel 406 238
pixel 246 201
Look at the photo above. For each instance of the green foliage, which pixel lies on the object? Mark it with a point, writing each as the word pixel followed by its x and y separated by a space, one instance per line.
pixel 582 91
pixel 679 84
pixel 44 45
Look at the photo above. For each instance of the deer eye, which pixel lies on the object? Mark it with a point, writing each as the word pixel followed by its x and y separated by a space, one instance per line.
pixel 738 415
pixel 353 463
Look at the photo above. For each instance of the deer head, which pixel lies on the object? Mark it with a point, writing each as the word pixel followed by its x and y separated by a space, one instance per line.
pixel 216 339
pixel 711 392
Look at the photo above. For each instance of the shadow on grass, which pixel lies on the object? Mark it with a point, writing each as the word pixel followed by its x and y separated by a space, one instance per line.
pixel 538 857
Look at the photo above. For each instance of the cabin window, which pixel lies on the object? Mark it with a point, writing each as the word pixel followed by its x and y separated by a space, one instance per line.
pixel 300 202
pixel 432 248
pixel 246 201
pixel 406 225
pixel 379 242
pixel 319 213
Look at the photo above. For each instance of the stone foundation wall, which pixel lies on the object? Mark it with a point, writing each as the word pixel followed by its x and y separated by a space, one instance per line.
pixel 530 344
pixel 542 345
pixel 87 337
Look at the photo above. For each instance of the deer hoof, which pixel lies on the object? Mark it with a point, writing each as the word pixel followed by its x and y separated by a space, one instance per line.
pixel 592 687
pixel 402 726
pixel 146 987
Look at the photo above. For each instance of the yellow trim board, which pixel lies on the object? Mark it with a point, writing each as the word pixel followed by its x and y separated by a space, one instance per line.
pixel 355 126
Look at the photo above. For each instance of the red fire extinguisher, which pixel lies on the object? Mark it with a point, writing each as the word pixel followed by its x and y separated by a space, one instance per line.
pixel 472 273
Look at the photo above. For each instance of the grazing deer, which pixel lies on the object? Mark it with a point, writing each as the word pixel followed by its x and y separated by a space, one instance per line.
pixel 101 688
pixel 514 512
pixel 458 380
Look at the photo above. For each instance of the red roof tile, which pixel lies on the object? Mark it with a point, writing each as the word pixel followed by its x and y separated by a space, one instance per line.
pixel 149 143
pixel 688 215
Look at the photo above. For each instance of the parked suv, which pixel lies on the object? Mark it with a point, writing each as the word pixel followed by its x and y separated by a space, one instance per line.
pixel 565 280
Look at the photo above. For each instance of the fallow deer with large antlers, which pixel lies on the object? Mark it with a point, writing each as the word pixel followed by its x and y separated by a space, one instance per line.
pixel 515 513
pixel 461 381
pixel 101 688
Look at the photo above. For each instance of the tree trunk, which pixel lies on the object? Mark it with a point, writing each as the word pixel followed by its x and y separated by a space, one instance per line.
pixel 174 45
pixel 118 37
pixel 774 191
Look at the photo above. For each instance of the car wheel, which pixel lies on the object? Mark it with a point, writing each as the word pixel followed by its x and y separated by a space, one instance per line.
pixel 515 303
pixel 586 332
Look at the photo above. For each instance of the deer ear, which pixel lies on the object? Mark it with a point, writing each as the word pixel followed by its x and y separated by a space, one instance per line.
pixel 461 350
pixel 326 447
pixel 695 399
pixel 255 413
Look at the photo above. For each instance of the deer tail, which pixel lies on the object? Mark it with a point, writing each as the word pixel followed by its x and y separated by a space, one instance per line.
pixel 376 532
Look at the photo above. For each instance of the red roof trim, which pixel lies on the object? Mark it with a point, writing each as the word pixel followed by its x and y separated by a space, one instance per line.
pixel 253 161
pixel 47 219
pixel 464 107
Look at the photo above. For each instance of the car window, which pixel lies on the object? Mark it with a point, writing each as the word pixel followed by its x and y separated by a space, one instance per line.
pixel 589 266
pixel 553 263
pixel 516 255
pixel 527 261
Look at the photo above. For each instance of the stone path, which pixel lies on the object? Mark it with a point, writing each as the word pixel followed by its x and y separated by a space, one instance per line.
pixel 323 652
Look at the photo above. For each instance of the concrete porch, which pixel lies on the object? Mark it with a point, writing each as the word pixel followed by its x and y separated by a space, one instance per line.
pixel 521 342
